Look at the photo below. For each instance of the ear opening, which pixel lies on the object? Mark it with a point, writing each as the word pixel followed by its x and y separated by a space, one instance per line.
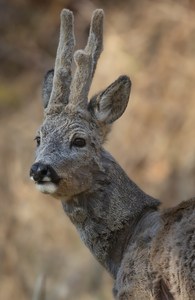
pixel 47 87
pixel 110 104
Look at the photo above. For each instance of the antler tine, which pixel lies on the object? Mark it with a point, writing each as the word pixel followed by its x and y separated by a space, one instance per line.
pixel 86 61
pixel 95 40
pixel 62 71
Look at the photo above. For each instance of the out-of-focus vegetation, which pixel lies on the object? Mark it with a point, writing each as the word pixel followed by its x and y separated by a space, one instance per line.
pixel 154 43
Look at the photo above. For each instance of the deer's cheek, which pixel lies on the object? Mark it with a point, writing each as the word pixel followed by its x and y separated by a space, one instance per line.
pixel 70 187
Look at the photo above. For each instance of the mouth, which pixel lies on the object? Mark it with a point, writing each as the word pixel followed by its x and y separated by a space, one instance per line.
pixel 46 186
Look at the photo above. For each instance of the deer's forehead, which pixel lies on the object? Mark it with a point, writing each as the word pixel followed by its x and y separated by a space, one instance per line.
pixel 67 123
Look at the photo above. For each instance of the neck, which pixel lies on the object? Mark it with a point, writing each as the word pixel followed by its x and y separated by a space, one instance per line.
pixel 110 214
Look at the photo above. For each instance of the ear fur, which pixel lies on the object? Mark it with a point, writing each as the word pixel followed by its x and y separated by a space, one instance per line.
pixel 47 87
pixel 110 104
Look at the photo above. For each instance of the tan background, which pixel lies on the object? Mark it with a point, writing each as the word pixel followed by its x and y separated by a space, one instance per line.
pixel 153 42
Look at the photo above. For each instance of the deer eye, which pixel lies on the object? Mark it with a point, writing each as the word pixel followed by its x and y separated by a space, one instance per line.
pixel 38 140
pixel 78 142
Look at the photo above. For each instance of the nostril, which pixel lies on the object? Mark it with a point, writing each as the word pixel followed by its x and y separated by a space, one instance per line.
pixel 42 170
pixel 38 171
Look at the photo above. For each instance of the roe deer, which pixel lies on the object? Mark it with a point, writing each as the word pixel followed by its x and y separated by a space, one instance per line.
pixel 150 254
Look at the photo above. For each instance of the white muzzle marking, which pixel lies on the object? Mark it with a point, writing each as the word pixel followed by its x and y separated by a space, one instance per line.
pixel 46 187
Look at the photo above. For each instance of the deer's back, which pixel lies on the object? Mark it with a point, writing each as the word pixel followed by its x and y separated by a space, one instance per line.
pixel 173 250
pixel 162 267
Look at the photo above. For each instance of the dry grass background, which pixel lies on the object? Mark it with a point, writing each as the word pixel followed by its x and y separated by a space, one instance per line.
pixel 154 43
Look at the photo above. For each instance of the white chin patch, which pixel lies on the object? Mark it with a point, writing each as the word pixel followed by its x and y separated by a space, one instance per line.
pixel 47 187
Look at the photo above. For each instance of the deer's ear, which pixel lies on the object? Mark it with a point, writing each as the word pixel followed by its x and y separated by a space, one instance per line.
pixel 47 87
pixel 110 104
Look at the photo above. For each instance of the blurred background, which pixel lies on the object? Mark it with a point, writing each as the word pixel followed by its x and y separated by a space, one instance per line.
pixel 153 42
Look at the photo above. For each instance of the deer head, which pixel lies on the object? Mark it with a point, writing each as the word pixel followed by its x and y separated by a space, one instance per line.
pixel 69 142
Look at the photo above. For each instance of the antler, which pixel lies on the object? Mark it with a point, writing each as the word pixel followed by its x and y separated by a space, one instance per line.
pixel 62 71
pixel 86 61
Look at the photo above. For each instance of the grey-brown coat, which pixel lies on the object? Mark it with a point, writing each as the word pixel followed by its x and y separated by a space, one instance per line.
pixel 151 255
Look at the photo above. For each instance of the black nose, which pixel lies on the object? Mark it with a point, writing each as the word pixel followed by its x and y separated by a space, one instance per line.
pixel 40 171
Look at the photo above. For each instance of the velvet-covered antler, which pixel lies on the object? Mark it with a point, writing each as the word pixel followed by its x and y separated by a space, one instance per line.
pixel 62 71
pixel 86 61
